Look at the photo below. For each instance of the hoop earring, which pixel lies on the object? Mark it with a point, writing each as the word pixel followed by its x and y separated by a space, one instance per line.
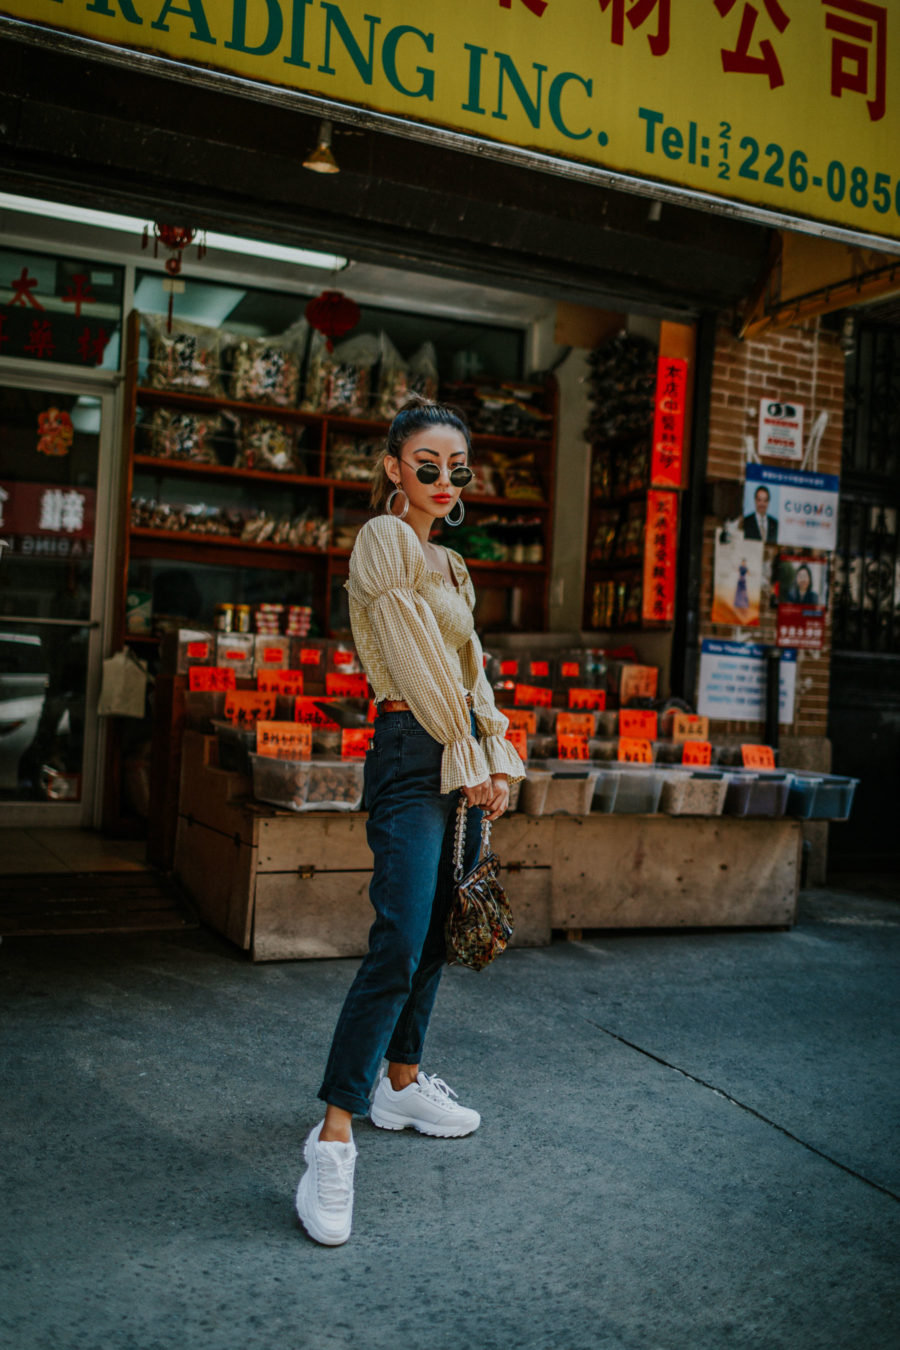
pixel 388 506
pixel 462 513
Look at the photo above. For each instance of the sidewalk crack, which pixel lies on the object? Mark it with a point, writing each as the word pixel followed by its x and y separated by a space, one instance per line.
pixel 743 1106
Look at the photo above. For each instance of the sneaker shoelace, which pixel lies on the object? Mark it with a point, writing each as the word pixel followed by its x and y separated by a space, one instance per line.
pixel 439 1091
pixel 335 1181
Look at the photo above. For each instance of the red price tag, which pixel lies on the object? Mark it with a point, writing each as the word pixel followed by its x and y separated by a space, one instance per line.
pixel 635 751
pixel 272 655
pixel 570 670
pixel 539 669
pixel 588 698
pixel 642 725
pixel 518 739
pixel 696 752
pixel 532 695
pixel 310 656
pixel 239 654
pixel 211 678
pixel 347 686
pixel 281 681
pixel 246 707
pixel 522 719
pixel 355 742
pixel 509 667
pixel 284 740
pixel 343 658
pixel 575 724
pixel 198 651
pixel 570 746
pixel 306 709
pixel 758 756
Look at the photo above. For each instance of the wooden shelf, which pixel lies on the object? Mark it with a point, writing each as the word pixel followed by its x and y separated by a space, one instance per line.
pixel 226 541
pixel 180 398
pixel 164 467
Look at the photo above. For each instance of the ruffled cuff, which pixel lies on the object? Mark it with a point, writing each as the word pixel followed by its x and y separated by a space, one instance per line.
pixel 502 757
pixel 462 765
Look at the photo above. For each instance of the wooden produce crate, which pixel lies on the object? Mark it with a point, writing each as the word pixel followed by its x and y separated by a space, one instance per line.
pixel 659 871
pixel 285 885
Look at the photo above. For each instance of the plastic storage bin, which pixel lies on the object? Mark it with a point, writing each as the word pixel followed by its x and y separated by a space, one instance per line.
pixel 570 791
pixel 234 745
pixel 757 794
pixel 821 796
pixel 639 790
pixel 701 793
pixel 533 792
pixel 201 706
pixel 606 789
pixel 308 784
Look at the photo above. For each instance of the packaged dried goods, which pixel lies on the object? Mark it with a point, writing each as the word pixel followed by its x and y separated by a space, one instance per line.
pixel 340 382
pixel 518 474
pixel 187 358
pixel 393 379
pixel 423 371
pixel 308 784
pixel 267 444
pixel 267 369
pixel 173 434
pixel 351 458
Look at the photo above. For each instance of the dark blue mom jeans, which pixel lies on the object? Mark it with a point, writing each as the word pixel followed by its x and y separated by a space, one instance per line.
pixel 410 832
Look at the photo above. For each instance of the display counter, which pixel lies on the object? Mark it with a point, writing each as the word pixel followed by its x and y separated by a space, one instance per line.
pixel 283 885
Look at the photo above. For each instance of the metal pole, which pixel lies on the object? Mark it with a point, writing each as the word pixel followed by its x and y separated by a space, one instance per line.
pixel 773 680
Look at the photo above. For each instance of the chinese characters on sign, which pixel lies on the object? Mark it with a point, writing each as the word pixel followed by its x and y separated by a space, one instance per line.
pixel 658 601
pixel 57 309
pixel 668 422
pixel 44 519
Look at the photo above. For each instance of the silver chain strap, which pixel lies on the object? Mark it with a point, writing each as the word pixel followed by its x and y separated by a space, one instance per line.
pixel 459 838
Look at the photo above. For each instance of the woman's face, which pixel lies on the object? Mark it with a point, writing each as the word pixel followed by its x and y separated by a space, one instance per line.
pixel 442 446
pixel 803 581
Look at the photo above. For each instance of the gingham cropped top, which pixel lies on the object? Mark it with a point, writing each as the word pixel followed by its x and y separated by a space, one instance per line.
pixel 416 638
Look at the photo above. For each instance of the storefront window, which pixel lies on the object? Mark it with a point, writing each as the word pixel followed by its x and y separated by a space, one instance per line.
pixel 56 309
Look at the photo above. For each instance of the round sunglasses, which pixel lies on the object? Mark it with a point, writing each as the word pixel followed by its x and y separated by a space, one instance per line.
pixel 460 476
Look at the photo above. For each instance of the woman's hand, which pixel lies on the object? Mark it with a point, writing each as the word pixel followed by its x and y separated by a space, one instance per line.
pixel 480 794
pixel 499 796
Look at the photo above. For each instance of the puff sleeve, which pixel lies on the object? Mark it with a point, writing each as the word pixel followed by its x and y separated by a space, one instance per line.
pixel 387 568
pixel 498 751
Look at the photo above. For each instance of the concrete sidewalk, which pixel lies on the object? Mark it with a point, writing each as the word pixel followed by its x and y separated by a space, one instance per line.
pixel 690 1140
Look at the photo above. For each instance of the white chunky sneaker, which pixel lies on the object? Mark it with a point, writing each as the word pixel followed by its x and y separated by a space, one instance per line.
pixel 428 1105
pixel 324 1201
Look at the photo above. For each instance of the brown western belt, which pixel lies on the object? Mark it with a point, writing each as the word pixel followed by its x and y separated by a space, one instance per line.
pixel 400 705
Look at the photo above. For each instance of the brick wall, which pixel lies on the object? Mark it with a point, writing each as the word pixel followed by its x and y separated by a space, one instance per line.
pixel 805 364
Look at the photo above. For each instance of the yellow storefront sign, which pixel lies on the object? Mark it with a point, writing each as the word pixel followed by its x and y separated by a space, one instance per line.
pixel 788 105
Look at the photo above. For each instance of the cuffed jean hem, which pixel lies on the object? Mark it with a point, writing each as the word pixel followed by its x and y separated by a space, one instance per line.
pixel 346 1101
pixel 403 1059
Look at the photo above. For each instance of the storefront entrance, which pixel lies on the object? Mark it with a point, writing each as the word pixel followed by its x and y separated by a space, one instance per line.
pixel 55 493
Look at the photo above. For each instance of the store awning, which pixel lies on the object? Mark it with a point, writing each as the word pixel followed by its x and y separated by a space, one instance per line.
pixel 786 117
pixel 77 131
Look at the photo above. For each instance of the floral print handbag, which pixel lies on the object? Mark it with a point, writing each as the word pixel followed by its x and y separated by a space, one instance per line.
pixel 479 923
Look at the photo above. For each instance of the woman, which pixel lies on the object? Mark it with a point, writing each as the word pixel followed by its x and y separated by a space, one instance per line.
pixel 437 732
pixel 801 590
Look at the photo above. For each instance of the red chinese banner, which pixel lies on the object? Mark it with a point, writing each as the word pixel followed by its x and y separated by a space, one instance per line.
pixel 668 422
pixel 47 509
pixel 660 542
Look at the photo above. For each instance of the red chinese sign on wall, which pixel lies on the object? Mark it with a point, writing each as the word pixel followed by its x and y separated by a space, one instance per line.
pixel 668 422
pixel 660 541
pixel 57 309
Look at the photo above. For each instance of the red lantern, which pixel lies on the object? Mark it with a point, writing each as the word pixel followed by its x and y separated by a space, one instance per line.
pixel 176 238
pixel 333 314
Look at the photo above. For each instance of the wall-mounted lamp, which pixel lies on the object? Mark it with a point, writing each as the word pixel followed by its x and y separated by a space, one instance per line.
pixel 321 160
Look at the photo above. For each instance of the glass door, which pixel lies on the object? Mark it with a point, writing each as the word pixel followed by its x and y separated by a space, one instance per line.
pixel 55 498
